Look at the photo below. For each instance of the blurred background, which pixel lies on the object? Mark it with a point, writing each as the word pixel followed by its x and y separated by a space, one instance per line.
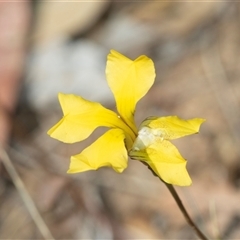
pixel 48 47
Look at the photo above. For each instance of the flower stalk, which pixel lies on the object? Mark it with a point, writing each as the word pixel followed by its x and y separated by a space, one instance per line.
pixel 184 211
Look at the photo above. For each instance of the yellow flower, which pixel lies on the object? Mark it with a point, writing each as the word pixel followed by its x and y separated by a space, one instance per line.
pixel 129 81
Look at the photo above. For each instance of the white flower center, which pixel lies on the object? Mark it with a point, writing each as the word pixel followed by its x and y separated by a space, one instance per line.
pixel 147 136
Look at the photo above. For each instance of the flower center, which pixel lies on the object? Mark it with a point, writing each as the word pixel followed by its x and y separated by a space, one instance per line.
pixel 146 137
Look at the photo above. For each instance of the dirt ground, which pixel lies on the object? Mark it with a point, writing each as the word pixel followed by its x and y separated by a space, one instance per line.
pixel 195 47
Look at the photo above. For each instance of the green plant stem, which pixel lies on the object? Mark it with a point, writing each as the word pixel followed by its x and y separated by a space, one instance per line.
pixel 184 211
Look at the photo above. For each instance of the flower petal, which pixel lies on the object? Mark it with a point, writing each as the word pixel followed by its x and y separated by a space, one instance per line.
pixel 108 150
pixel 82 117
pixel 166 161
pixel 172 127
pixel 129 81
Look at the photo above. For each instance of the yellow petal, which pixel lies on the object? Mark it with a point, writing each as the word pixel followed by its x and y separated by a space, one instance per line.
pixel 172 127
pixel 129 81
pixel 82 117
pixel 166 161
pixel 108 150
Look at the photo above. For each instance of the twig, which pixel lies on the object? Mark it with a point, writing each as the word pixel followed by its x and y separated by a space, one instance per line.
pixel 216 76
pixel 184 211
pixel 215 227
pixel 31 207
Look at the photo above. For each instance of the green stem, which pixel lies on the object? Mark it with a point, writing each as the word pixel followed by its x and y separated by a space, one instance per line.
pixel 184 211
